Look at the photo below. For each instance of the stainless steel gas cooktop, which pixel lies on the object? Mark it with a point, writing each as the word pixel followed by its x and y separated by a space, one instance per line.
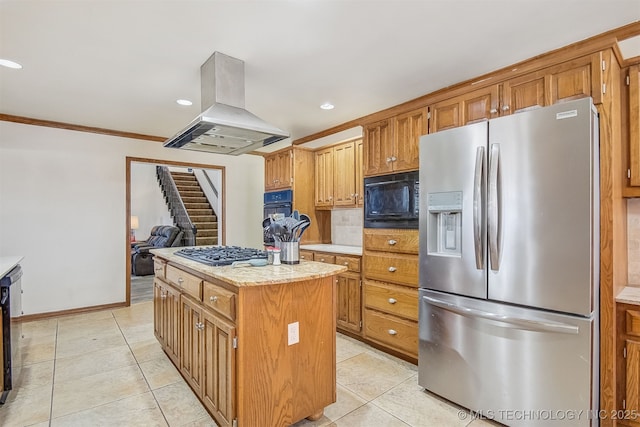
pixel 221 255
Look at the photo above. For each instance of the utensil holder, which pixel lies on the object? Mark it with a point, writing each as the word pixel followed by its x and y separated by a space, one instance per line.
pixel 290 252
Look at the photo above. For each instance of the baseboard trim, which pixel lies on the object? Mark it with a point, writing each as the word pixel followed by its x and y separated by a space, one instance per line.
pixel 41 316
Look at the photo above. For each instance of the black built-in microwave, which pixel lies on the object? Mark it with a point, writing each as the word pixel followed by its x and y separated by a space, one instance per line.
pixel 392 201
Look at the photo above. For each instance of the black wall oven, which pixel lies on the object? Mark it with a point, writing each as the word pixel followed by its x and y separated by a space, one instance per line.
pixel 392 201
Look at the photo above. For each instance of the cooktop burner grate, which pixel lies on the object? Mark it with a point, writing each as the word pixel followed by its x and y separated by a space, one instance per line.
pixel 221 255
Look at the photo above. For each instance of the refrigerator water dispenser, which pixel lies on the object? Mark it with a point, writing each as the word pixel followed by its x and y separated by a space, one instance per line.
pixel 445 218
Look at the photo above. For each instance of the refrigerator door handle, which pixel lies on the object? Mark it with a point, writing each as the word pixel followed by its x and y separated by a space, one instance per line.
pixel 493 207
pixel 477 208
pixel 528 324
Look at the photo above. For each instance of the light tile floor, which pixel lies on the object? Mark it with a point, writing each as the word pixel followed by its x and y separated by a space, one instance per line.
pixel 107 369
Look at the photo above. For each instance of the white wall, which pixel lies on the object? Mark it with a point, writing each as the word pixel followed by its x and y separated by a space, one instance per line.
pixel 147 200
pixel 62 206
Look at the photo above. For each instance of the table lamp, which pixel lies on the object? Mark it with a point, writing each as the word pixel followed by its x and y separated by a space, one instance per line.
pixel 134 226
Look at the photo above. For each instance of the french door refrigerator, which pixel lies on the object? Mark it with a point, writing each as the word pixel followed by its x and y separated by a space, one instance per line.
pixel 509 266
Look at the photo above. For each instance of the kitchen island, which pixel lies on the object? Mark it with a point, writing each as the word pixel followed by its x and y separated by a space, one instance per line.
pixel 256 344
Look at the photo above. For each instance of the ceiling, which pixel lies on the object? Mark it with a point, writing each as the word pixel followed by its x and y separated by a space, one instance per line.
pixel 121 65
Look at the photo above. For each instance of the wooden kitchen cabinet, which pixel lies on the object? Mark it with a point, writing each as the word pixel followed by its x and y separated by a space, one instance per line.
pixel 348 289
pixel 277 170
pixel 336 176
pixel 344 177
pixel 392 145
pixel 166 315
pixel 633 96
pixel 359 172
pixel 191 360
pixel 324 178
pixel 390 291
pixel 219 368
pixel 232 352
pixel 408 128
pixel 475 106
pixel 566 81
pixel 628 355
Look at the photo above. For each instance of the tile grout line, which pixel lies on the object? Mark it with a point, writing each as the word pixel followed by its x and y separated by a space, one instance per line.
pixel 141 371
pixel 53 375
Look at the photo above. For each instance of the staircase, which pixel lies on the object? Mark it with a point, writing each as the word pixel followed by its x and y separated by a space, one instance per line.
pixel 200 211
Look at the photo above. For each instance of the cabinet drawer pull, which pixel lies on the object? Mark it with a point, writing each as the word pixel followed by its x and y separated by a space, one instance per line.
pixel 163 296
pixel 392 332
pixel 388 159
pixel 392 242
pixel 180 280
pixel 158 268
pixel 394 158
pixel 505 108
pixel 213 298
pixel 392 269
pixel 493 110
pixel 346 263
pixel 321 259
pixel 392 301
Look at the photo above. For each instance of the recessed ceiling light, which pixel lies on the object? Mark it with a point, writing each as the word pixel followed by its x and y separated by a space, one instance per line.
pixel 10 64
pixel 327 106
pixel 184 102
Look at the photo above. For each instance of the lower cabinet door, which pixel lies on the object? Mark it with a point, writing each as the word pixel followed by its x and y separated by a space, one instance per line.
pixel 349 302
pixel 191 354
pixel 219 368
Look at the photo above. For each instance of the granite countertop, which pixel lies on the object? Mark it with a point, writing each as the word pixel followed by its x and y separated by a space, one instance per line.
pixel 336 249
pixel 255 276
pixel 629 295
pixel 7 263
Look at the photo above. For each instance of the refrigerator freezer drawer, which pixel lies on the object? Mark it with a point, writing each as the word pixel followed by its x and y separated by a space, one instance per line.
pixel 512 364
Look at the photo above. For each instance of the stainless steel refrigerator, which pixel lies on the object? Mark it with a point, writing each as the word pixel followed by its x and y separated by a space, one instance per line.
pixel 509 266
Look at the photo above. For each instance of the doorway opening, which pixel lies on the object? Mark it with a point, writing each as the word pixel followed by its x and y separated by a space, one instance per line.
pixel 149 208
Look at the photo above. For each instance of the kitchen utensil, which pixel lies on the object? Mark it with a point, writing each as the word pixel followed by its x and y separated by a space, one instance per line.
pixel 250 263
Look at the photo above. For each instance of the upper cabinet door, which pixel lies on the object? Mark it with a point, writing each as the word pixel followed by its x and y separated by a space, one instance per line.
pixel 344 184
pixel 408 129
pixel 277 170
pixel 524 93
pixel 634 125
pixel 324 178
pixel 472 107
pixel 359 166
pixel 378 148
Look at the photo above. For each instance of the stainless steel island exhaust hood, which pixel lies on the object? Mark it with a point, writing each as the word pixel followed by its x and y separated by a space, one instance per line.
pixel 224 126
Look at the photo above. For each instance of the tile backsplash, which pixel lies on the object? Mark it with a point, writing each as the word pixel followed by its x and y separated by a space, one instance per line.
pixel 633 240
pixel 346 227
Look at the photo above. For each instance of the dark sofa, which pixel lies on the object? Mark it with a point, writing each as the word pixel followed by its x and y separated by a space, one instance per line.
pixel 162 236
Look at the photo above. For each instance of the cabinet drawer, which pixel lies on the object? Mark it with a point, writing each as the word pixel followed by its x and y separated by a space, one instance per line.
pixel 392 299
pixel 386 267
pixel 188 283
pixel 159 268
pixel 351 262
pixel 307 255
pixel 632 321
pixel 219 299
pixel 399 241
pixel 398 334
pixel 321 257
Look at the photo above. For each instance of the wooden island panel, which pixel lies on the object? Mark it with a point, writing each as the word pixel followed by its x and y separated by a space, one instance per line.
pixel 286 383
pixel 234 332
